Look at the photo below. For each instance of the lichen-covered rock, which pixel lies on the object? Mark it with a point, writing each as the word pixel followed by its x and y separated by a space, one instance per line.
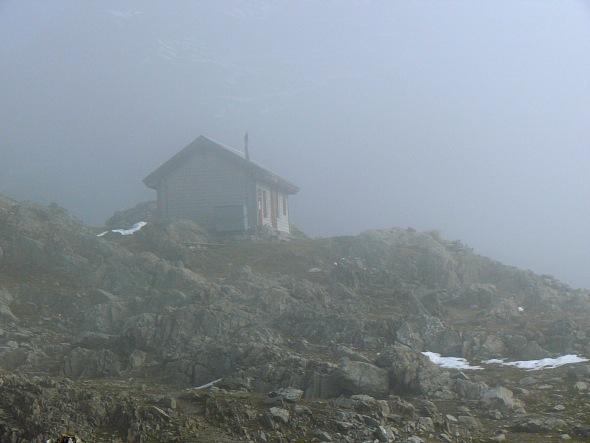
pixel 164 315
pixel 500 398
pixel 90 364
pixel 410 371
pixel 362 378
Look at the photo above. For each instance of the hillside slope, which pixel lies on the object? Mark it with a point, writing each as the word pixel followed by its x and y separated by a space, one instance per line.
pixel 166 335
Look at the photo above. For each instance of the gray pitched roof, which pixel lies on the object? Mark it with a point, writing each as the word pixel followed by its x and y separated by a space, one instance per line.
pixel 202 142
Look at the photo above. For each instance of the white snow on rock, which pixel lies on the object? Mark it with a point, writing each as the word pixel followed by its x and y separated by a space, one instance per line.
pixel 449 362
pixel 136 227
pixel 208 385
pixel 535 365
pixel 531 365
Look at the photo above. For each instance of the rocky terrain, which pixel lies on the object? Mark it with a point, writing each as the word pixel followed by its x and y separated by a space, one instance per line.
pixel 170 334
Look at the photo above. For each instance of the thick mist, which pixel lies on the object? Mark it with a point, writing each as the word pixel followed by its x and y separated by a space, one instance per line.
pixel 467 117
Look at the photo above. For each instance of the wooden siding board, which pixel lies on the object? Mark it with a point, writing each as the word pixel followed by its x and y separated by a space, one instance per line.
pixel 252 202
pixel 196 187
pixel 283 224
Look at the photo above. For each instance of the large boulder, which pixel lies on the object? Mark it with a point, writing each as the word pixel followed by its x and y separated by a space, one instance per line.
pixel 412 372
pixel 476 294
pixel 6 315
pixel 357 377
pixel 414 256
pixel 145 211
pixel 90 364
pixel 103 317
pixel 500 398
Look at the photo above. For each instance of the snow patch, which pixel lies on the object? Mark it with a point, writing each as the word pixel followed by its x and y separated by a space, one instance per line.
pixel 136 227
pixel 535 365
pixel 208 385
pixel 449 362
pixel 530 365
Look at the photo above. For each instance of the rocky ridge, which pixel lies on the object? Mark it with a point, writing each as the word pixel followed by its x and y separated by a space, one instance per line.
pixel 169 335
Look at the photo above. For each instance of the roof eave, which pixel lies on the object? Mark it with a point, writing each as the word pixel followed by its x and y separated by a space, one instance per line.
pixel 153 180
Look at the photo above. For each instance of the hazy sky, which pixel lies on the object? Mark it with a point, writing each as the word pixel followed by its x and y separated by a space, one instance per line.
pixel 468 117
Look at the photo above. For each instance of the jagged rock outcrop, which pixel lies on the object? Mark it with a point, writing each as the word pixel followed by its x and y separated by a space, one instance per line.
pixel 341 320
pixel 501 398
pixel 410 371
pixel 357 377
pixel 145 211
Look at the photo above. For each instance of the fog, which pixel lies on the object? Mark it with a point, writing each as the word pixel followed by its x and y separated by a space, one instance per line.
pixel 467 117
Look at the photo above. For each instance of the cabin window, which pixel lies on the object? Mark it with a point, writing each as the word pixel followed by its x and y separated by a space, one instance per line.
pixel 264 209
pixel 284 198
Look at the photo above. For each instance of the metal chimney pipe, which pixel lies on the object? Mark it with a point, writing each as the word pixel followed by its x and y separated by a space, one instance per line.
pixel 246 152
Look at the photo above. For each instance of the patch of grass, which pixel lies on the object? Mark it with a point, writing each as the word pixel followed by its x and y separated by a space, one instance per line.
pixel 285 258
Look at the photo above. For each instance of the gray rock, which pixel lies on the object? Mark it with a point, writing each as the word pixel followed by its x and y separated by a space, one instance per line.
pixel 322 435
pixel 344 352
pixel 102 317
pixel 344 426
pixel 426 424
pixel 410 371
pixel 95 340
pixel 97 296
pixel 137 359
pixel 451 418
pixel 499 437
pixel 432 263
pixel 468 389
pixel 5 296
pixel 6 315
pixel 172 297
pixel 500 398
pixel 532 351
pixel 579 371
pixel 385 434
pixel 303 410
pixel 75 362
pixel 279 414
pixel 492 347
pixel 290 395
pixel 501 310
pixel 527 381
pixel 479 294
pixel 168 402
pixel 555 423
pixel 363 378
pixel 468 422
pixel 371 421
pixel 274 401
pixel 86 363
pixel 537 425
